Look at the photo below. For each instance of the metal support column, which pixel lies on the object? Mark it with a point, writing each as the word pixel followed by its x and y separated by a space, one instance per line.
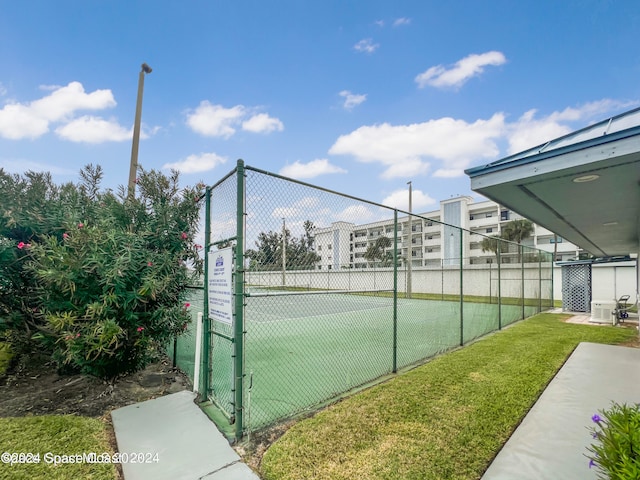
pixel 206 367
pixel 238 324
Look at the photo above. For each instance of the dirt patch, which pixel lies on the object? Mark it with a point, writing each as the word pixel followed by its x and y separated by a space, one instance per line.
pixel 253 450
pixel 34 387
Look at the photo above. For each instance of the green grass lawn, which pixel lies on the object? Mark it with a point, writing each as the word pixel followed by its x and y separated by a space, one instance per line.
pixel 444 420
pixel 57 435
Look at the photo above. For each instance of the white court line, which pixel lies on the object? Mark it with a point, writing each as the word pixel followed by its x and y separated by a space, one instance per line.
pixel 298 319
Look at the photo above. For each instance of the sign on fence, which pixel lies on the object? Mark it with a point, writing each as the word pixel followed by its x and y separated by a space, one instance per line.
pixel 220 285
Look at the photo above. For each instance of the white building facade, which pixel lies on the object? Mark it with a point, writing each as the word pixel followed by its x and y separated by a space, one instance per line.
pixel 430 243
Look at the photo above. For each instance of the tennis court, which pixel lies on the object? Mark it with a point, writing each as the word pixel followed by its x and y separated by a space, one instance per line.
pixel 312 293
pixel 295 360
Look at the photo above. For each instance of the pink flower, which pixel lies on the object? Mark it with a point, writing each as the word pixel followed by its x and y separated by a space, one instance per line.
pixel 21 245
pixel 187 305
pixel 77 335
pixel 198 247
pixel 149 264
pixel 65 235
pixel 183 236
pixel 136 180
pixel 139 329
pixel 80 225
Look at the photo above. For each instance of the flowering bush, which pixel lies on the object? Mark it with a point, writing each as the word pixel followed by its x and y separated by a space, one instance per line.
pixel 101 278
pixel 616 452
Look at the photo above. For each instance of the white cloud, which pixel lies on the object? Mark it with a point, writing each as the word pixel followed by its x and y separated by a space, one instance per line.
pixel 218 121
pixel 32 120
pixel 285 212
pixel 379 23
pixel 366 46
pixel 94 130
pixel 464 69
pixel 529 131
pixel 3 90
pixel 405 149
pixel 215 120
pixel 21 166
pixel 262 123
pixel 401 21
pixel 355 214
pixel 196 163
pixel 310 170
pixel 400 199
pixel 351 99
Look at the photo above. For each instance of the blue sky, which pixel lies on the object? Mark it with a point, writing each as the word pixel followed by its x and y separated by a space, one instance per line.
pixel 355 96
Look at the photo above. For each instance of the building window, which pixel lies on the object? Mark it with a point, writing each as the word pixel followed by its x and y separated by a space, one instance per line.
pixel 471 217
pixel 429 250
pixel 553 240
pixel 328 247
pixel 319 267
pixel 429 224
pixel 319 248
pixel 430 237
pixel 489 230
pixel 329 267
pixel 489 260
pixel 504 215
pixel 489 215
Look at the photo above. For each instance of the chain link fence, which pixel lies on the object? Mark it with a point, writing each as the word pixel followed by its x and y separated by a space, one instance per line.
pixel 331 293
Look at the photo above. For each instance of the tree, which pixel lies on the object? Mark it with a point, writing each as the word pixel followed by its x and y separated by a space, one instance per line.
pixel 491 244
pixel 299 251
pixel 376 252
pixel 516 231
pixel 102 277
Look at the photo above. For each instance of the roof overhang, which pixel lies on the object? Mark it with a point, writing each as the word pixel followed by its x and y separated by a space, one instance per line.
pixel 584 186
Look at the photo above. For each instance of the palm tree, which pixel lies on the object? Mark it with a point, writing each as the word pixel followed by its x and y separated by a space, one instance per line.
pixel 517 231
pixel 491 244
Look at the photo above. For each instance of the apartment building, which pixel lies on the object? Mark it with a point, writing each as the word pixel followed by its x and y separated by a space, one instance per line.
pixel 429 243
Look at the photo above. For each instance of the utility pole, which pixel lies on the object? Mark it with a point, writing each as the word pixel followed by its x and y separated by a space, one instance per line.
pixel 133 167
pixel 410 251
pixel 284 252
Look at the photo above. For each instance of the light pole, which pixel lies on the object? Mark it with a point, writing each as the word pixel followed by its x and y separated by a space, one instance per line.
pixel 284 252
pixel 133 168
pixel 410 251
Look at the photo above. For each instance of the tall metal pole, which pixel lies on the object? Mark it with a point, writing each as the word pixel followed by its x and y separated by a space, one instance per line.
pixel 410 251
pixel 284 252
pixel 133 167
pixel 238 324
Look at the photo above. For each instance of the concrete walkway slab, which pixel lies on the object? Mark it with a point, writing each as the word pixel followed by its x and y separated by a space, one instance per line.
pixel 188 445
pixel 552 440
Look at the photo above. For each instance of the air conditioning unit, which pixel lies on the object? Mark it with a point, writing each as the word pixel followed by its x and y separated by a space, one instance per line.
pixel 602 311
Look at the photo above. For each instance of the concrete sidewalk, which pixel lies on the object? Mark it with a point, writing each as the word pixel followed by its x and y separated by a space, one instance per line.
pixel 551 442
pixel 187 443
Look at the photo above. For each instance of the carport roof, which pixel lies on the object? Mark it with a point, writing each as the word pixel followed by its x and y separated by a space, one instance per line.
pixel 584 186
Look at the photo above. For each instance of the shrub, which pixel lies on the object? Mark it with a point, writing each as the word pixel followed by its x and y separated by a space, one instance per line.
pixel 616 452
pixel 103 275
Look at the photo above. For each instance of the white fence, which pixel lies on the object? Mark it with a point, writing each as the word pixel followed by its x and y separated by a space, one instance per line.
pixel 480 280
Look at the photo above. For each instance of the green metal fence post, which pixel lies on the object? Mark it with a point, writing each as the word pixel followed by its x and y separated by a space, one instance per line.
pixel 461 289
pixel 539 282
pixel 206 368
pixel 395 291
pixel 238 324
pixel 499 286
pixel 522 275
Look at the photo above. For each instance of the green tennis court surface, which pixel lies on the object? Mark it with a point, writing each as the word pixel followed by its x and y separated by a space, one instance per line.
pixel 296 361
